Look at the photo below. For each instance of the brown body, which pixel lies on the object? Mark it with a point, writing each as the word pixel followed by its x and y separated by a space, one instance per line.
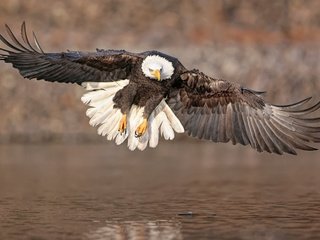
pixel 146 92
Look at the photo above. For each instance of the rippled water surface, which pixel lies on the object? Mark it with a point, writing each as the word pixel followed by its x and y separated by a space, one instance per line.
pixel 178 191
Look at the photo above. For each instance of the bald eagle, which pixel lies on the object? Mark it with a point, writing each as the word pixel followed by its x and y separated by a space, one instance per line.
pixel 139 96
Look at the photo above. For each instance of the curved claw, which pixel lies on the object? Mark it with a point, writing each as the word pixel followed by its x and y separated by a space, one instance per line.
pixel 142 128
pixel 123 124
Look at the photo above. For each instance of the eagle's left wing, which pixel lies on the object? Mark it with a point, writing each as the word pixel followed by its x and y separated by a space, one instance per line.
pixel 69 67
pixel 222 111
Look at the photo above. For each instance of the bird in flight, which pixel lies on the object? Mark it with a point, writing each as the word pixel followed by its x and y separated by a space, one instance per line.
pixel 140 96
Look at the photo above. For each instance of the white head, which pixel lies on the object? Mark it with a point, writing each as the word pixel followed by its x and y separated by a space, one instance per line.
pixel 156 67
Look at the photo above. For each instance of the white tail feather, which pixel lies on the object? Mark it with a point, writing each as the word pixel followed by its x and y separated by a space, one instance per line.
pixel 175 122
pixel 166 130
pixel 102 112
pixel 154 131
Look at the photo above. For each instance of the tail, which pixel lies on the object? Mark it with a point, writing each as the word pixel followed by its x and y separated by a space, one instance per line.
pixel 103 114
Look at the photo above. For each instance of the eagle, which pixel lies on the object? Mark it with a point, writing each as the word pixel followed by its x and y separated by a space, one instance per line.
pixel 138 97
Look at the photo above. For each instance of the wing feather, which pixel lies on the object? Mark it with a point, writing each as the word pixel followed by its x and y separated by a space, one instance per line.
pixel 25 37
pixel 70 66
pixel 222 111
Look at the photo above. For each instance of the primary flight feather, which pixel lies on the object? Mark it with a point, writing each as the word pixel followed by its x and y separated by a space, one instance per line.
pixel 139 96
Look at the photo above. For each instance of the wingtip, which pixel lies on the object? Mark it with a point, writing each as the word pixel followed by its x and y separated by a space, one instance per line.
pixel 295 104
pixel 37 42
pixel 23 26
pixel 292 152
pixel 312 149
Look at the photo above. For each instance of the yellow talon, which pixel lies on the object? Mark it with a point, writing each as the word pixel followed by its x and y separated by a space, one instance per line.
pixel 123 124
pixel 142 128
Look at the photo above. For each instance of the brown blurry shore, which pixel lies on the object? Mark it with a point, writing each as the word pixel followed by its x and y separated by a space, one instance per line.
pixel 271 46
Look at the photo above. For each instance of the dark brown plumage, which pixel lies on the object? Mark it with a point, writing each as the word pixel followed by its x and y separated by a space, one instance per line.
pixel 208 108
pixel 223 111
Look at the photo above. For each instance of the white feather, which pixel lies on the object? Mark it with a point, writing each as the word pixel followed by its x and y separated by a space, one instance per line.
pixel 162 120
pixel 154 132
pixel 175 122
pixel 104 85
pixel 135 118
pixel 121 138
pixel 143 141
pixel 107 124
pixel 101 130
pixel 166 129
pixel 95 96
pixel 90 112
pixel 111 123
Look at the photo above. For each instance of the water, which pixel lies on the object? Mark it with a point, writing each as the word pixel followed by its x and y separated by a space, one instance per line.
pixel 193 190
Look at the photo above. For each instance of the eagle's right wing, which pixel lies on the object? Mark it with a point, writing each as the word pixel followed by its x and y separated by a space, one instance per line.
pixel 69 67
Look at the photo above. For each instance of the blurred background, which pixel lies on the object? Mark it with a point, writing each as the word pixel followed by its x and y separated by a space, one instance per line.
pixel 264 45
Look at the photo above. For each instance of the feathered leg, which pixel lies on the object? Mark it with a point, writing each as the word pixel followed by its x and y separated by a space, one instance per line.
pixel 151 104
pixel 123 99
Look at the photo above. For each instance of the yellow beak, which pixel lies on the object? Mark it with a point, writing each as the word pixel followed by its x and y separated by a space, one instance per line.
pixel 156 74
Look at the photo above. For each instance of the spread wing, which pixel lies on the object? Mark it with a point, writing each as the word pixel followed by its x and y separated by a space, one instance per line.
pixel 222 111
pixel 69 67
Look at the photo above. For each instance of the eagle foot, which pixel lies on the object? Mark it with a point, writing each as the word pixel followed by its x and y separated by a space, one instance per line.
pixel 123 124
pixel 142 128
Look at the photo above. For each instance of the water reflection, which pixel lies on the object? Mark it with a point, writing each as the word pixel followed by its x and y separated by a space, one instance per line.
pixel 142 230
pixel 107 192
